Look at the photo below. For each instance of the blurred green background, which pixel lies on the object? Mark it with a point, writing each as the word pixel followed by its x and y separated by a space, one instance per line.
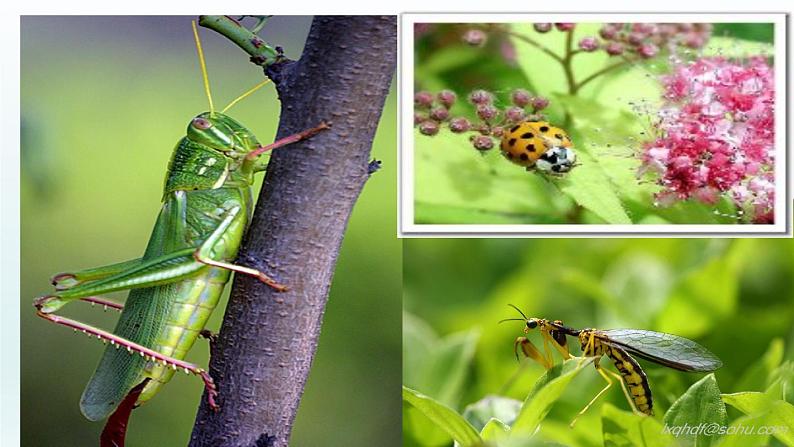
pixel 732 296
pixel 104 101
pixel 456 184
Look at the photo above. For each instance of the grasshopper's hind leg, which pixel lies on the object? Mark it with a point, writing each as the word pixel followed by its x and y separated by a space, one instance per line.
pixel 143 351
pixel 67 280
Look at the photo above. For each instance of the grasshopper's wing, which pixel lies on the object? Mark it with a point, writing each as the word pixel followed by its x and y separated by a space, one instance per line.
pixel 665 349
pixel 144 313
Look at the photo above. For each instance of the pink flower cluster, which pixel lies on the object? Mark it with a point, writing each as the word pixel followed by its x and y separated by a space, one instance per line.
pixel 715 135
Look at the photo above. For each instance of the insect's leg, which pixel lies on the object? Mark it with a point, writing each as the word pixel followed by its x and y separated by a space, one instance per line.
pixel 163 270
pixel 105 303
pixel 209 335
pixel 609 384
pixel 563 350
pixel 626 392
pixel 143 351
pixel 203 254
pixel 530 351
pixel 67 280
pixel 260 165
pixel 546 349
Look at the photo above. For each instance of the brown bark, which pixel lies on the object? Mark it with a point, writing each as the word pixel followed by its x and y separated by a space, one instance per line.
pixel 266 344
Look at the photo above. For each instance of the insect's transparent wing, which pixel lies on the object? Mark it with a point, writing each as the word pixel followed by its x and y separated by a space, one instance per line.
pixel 665 349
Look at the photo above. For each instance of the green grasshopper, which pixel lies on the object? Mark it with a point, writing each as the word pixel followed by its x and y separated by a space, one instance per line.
pixel 174 287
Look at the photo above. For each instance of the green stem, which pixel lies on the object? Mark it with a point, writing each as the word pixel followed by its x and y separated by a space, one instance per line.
pixel 261 53
pixel 567 66
pixel 534 43
pixel 598 73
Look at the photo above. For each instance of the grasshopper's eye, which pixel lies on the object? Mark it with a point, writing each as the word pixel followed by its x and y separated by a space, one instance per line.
pixel 532 324
pixel 201 123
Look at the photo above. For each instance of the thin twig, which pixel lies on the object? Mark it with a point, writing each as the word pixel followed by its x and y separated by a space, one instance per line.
pixel 534 43
pixel 598 73
pixel 261 53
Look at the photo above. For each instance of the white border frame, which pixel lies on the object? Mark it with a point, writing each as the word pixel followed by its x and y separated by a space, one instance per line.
pixel 405 179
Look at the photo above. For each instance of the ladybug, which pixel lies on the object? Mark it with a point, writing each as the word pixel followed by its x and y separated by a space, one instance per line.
pixel 539 145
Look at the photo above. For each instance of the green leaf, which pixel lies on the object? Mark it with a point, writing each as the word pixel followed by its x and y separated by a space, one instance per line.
pixel 756 376
pixel 626 429
pixel 494 429
pixel 545 392
pixel 443 417
pixel 490 407
pixel 701 404
pixel 588 186
pixel 705 295
pixel 457 184
pixel 436 366
pixel 770 413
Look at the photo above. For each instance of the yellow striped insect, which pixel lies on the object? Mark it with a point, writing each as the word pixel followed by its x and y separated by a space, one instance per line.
pixel 619 345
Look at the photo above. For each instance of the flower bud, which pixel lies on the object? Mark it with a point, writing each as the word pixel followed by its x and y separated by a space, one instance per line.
pixel 539 103
pixel 481 97
pixel 423 100
pixel 608 32
pixel 482 143
pixel 487 112
pixel 614 49
pixel 564 26
pixel 648 50
pixel 542 27
pixel 588 44
pixel 439 113
pixel 475 37
pixel 515 114
pixel 459 125
pixel 520 97
pixel 428 128
pixel 447 98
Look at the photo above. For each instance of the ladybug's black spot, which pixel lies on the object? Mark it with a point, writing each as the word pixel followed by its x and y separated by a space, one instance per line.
pixel 527 135
pixel 514 128
pixel 558 136
pixel 544 128
pixel 512 142
pixel 531 147
pixel 524 157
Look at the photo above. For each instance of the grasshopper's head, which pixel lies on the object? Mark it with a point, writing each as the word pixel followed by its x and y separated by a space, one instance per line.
pixel 221 133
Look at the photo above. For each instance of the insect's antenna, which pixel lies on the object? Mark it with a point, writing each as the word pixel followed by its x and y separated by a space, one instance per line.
pixel 511 319
pixel 245 95
pixel 203 66
pixel 519 311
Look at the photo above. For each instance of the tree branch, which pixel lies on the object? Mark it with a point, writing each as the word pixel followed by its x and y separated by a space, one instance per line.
pixel 261 53
pixel 267 341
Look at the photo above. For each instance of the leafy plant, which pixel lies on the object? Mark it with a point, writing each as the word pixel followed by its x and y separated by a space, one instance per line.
pixel 607 101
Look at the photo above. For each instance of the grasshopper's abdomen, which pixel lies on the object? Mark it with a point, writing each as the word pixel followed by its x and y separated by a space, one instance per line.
pixel 186 318
pixel 197 296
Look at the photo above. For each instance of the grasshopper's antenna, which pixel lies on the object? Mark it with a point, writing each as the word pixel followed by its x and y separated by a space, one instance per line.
pixel 245 95
pixel 203 67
